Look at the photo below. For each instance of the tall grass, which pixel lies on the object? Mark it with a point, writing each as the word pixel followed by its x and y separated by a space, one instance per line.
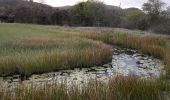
pixel 149 44
pixel 38 49
pixel 46 61
pixel 120 88
pixel 34 49
pixel 167 61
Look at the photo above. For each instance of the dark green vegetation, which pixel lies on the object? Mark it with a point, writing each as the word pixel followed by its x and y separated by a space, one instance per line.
pixel 30 49
pixel 90 13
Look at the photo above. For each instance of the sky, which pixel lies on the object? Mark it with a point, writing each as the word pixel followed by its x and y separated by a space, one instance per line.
pixel 123 3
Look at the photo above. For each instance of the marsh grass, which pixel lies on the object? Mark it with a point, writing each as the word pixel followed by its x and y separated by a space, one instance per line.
pixel 34 49
pixel 53 60
pixel 167 62
pixel 119 88
pixel 29 49
pixel 149 44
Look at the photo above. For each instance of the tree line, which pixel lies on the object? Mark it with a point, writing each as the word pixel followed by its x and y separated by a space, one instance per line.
pixel 23 11
pixel 154 15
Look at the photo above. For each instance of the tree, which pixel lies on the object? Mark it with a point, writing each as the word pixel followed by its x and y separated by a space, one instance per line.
pixel 168 11
pixel 60 17
pixel 142 23
pixel 157 17
pixel 94 13
pixel 154 9
pixel 78 15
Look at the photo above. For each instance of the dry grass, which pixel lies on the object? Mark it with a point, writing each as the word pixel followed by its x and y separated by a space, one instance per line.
pixel 120 88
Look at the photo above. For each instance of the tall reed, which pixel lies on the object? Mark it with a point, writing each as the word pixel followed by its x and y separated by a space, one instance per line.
pixel 35 49
pixel 119 88
pixel 54 60
pixel 149 44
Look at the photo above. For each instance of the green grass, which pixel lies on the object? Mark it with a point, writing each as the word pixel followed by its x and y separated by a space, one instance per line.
pixel 30 49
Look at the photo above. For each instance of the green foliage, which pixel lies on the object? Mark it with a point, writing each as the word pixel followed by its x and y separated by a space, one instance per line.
pixel 134 16
pixel 154 9
pixel 143 23
pixel 87 13
pixel 93 13
pixel 157 18
pixel 131 18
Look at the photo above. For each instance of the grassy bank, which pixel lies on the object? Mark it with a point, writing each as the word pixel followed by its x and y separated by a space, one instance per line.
pixel 120 88
pixel 30 49
pixel 149 44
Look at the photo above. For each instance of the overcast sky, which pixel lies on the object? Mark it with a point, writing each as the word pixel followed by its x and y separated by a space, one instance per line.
pixel 123 3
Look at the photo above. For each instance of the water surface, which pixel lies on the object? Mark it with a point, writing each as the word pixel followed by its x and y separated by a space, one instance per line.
pixel 125 62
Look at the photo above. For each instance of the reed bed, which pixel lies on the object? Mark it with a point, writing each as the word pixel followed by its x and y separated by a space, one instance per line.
pixel 149 44
pixel 48 61
pixel 34 49
pixel 30 49
pixel 119 88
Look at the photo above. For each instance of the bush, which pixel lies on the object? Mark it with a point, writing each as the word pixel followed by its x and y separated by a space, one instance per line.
pixel 127 24
pixel 163 28
pixel 142 24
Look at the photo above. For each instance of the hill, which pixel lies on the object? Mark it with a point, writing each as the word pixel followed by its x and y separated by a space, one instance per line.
pixel 132 10
pixel 24 11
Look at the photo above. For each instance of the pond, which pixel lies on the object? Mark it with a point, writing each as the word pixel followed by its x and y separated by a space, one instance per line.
pixel 125 62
